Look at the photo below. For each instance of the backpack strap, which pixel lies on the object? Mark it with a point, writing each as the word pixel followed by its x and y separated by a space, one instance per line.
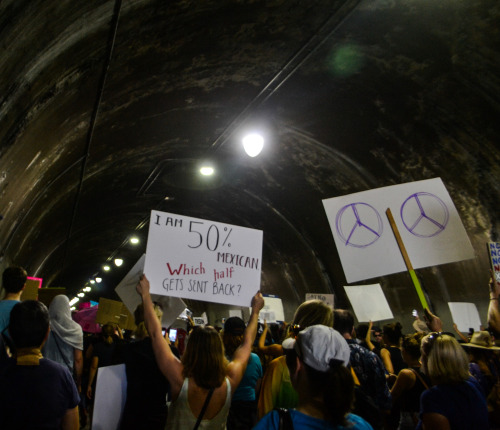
pixel 285 422
pixel 419 376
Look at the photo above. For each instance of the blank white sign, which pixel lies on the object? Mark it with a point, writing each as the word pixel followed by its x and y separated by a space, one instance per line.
pixel 369 302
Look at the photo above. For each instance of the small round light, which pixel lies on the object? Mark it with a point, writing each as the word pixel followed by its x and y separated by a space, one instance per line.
pixel 81 294
pixel 98 280
pixel 92 281
pixel 207 171
pixel 118 262
pixel 106 268
pixel 134 240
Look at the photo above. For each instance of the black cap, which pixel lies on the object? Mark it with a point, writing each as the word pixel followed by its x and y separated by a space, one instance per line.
pixel 234 326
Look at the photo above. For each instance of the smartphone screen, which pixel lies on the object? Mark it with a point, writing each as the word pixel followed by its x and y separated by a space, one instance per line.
pixel 172 334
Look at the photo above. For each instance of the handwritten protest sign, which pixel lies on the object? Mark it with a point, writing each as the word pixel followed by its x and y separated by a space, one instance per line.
pixel 368 302
pixel 327 299
pixel 465 316
pixel 494 254
pixel 425 215
pixel 172 307
pixel 203 260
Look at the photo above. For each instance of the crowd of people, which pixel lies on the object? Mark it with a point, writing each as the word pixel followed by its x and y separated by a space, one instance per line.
pixel 319 371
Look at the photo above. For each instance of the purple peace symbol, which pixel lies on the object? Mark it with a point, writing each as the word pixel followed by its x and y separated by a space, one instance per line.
pixel 359 225
pixel 424 214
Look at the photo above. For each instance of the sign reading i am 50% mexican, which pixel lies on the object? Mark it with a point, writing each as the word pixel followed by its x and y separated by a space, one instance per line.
pixel 203 260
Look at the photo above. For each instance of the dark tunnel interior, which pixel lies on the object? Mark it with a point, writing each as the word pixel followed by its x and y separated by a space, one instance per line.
pixel 108 109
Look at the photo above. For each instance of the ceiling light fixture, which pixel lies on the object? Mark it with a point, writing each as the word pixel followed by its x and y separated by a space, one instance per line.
pixel 207 171
pixel 118 262
pixel 134 240
pixel 81 294
pixel 98 280
pixel 73 301
pixel 253 144
pixel 106 268
pixel 92 281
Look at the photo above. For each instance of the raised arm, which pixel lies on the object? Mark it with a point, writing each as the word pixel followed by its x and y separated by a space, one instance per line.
pixel 368 337
pixel 167 362
pixel 274 350
pixel 236 368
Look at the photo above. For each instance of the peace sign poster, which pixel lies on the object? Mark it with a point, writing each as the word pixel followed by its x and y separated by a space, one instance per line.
pixel 425 215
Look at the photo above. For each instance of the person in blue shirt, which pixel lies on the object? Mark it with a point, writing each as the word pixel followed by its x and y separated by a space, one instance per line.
pixel 243 411
pixel 317 361
pixel 13 282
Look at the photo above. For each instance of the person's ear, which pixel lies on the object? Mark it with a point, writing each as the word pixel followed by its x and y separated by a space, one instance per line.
pixel 46 337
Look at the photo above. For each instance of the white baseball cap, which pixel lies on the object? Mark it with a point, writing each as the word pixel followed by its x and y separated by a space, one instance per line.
pixel 318 345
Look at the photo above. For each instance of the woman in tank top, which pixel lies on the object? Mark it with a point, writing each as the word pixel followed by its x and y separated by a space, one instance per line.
pixel 410 383
pixel 203 371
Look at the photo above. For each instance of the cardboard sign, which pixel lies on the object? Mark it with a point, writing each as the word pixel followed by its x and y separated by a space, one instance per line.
pixel 113 311
pixel 31 288
pixel 203 260
pixel 172 307
pixel 110 397
pixel 425 215
pixel 368 302
pixel 327 299
pixel 494 254
pixel 465 316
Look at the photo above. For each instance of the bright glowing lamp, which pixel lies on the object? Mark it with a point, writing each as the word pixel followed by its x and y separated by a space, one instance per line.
pixel 253 144
pixel 118 262
pixel 207 171
pixel 107 268
pixel 80 294
pixel 98 280
pixel 134 240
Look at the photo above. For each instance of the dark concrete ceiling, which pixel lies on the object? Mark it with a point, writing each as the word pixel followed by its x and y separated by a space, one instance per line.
pixel 107 108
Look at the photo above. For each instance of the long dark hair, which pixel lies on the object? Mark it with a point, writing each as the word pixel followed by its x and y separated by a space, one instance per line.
pixel 336 386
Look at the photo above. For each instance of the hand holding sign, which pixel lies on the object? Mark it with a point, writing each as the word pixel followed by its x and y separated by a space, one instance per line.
pixel 143 286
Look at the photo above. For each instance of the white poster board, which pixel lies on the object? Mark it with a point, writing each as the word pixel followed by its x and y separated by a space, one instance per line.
pixel 465 316
pixel 425 215
pixel 327 299
pixel 202 320
pixel 172 306
pixel 110 397
pixel 235 313
pixel 272 310
pixel 369 302
pixel 203 260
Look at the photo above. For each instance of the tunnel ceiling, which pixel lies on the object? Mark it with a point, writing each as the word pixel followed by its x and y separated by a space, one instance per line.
pixel 107 108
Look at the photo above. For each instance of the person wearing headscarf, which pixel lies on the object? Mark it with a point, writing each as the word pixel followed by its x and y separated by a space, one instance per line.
pixel 65 342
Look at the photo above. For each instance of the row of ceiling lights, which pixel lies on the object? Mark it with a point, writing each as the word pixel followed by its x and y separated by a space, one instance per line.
pixel 252 144
pixel 97 279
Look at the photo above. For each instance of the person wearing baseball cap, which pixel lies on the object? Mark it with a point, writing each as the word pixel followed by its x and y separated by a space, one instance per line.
pixel 317 360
